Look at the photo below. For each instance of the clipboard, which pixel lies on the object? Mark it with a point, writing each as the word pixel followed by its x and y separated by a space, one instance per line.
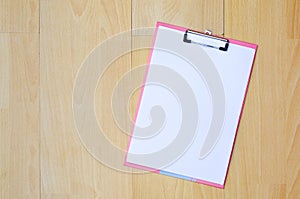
pixel 190 105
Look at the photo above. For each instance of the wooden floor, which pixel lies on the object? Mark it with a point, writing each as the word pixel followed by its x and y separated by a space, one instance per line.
pixel 42 46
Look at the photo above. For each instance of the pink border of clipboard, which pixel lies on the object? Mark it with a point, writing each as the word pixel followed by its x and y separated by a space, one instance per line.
pixel 232 41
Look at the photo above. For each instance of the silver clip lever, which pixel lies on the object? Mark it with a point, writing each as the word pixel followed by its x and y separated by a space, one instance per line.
pixel 206 39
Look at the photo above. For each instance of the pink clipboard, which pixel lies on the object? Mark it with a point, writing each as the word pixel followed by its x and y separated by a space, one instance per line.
pixel 180 175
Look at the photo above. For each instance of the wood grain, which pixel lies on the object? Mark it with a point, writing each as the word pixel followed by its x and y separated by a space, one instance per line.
pixel 195 14
pixel 292 23
pixel 70 30
pixel 19 124
pixel 292 119
pixel 267 142
pixel 4 70
pixel 41 155
pixel 19 16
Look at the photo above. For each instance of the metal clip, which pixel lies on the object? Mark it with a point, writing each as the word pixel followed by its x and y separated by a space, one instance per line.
pixel 206 39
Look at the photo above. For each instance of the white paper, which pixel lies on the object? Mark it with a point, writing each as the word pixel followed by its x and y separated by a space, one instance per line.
pixel 231 68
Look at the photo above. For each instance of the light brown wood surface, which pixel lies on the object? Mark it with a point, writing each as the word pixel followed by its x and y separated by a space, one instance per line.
pixel 42 47
pixel 19 115
pixel 19 16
